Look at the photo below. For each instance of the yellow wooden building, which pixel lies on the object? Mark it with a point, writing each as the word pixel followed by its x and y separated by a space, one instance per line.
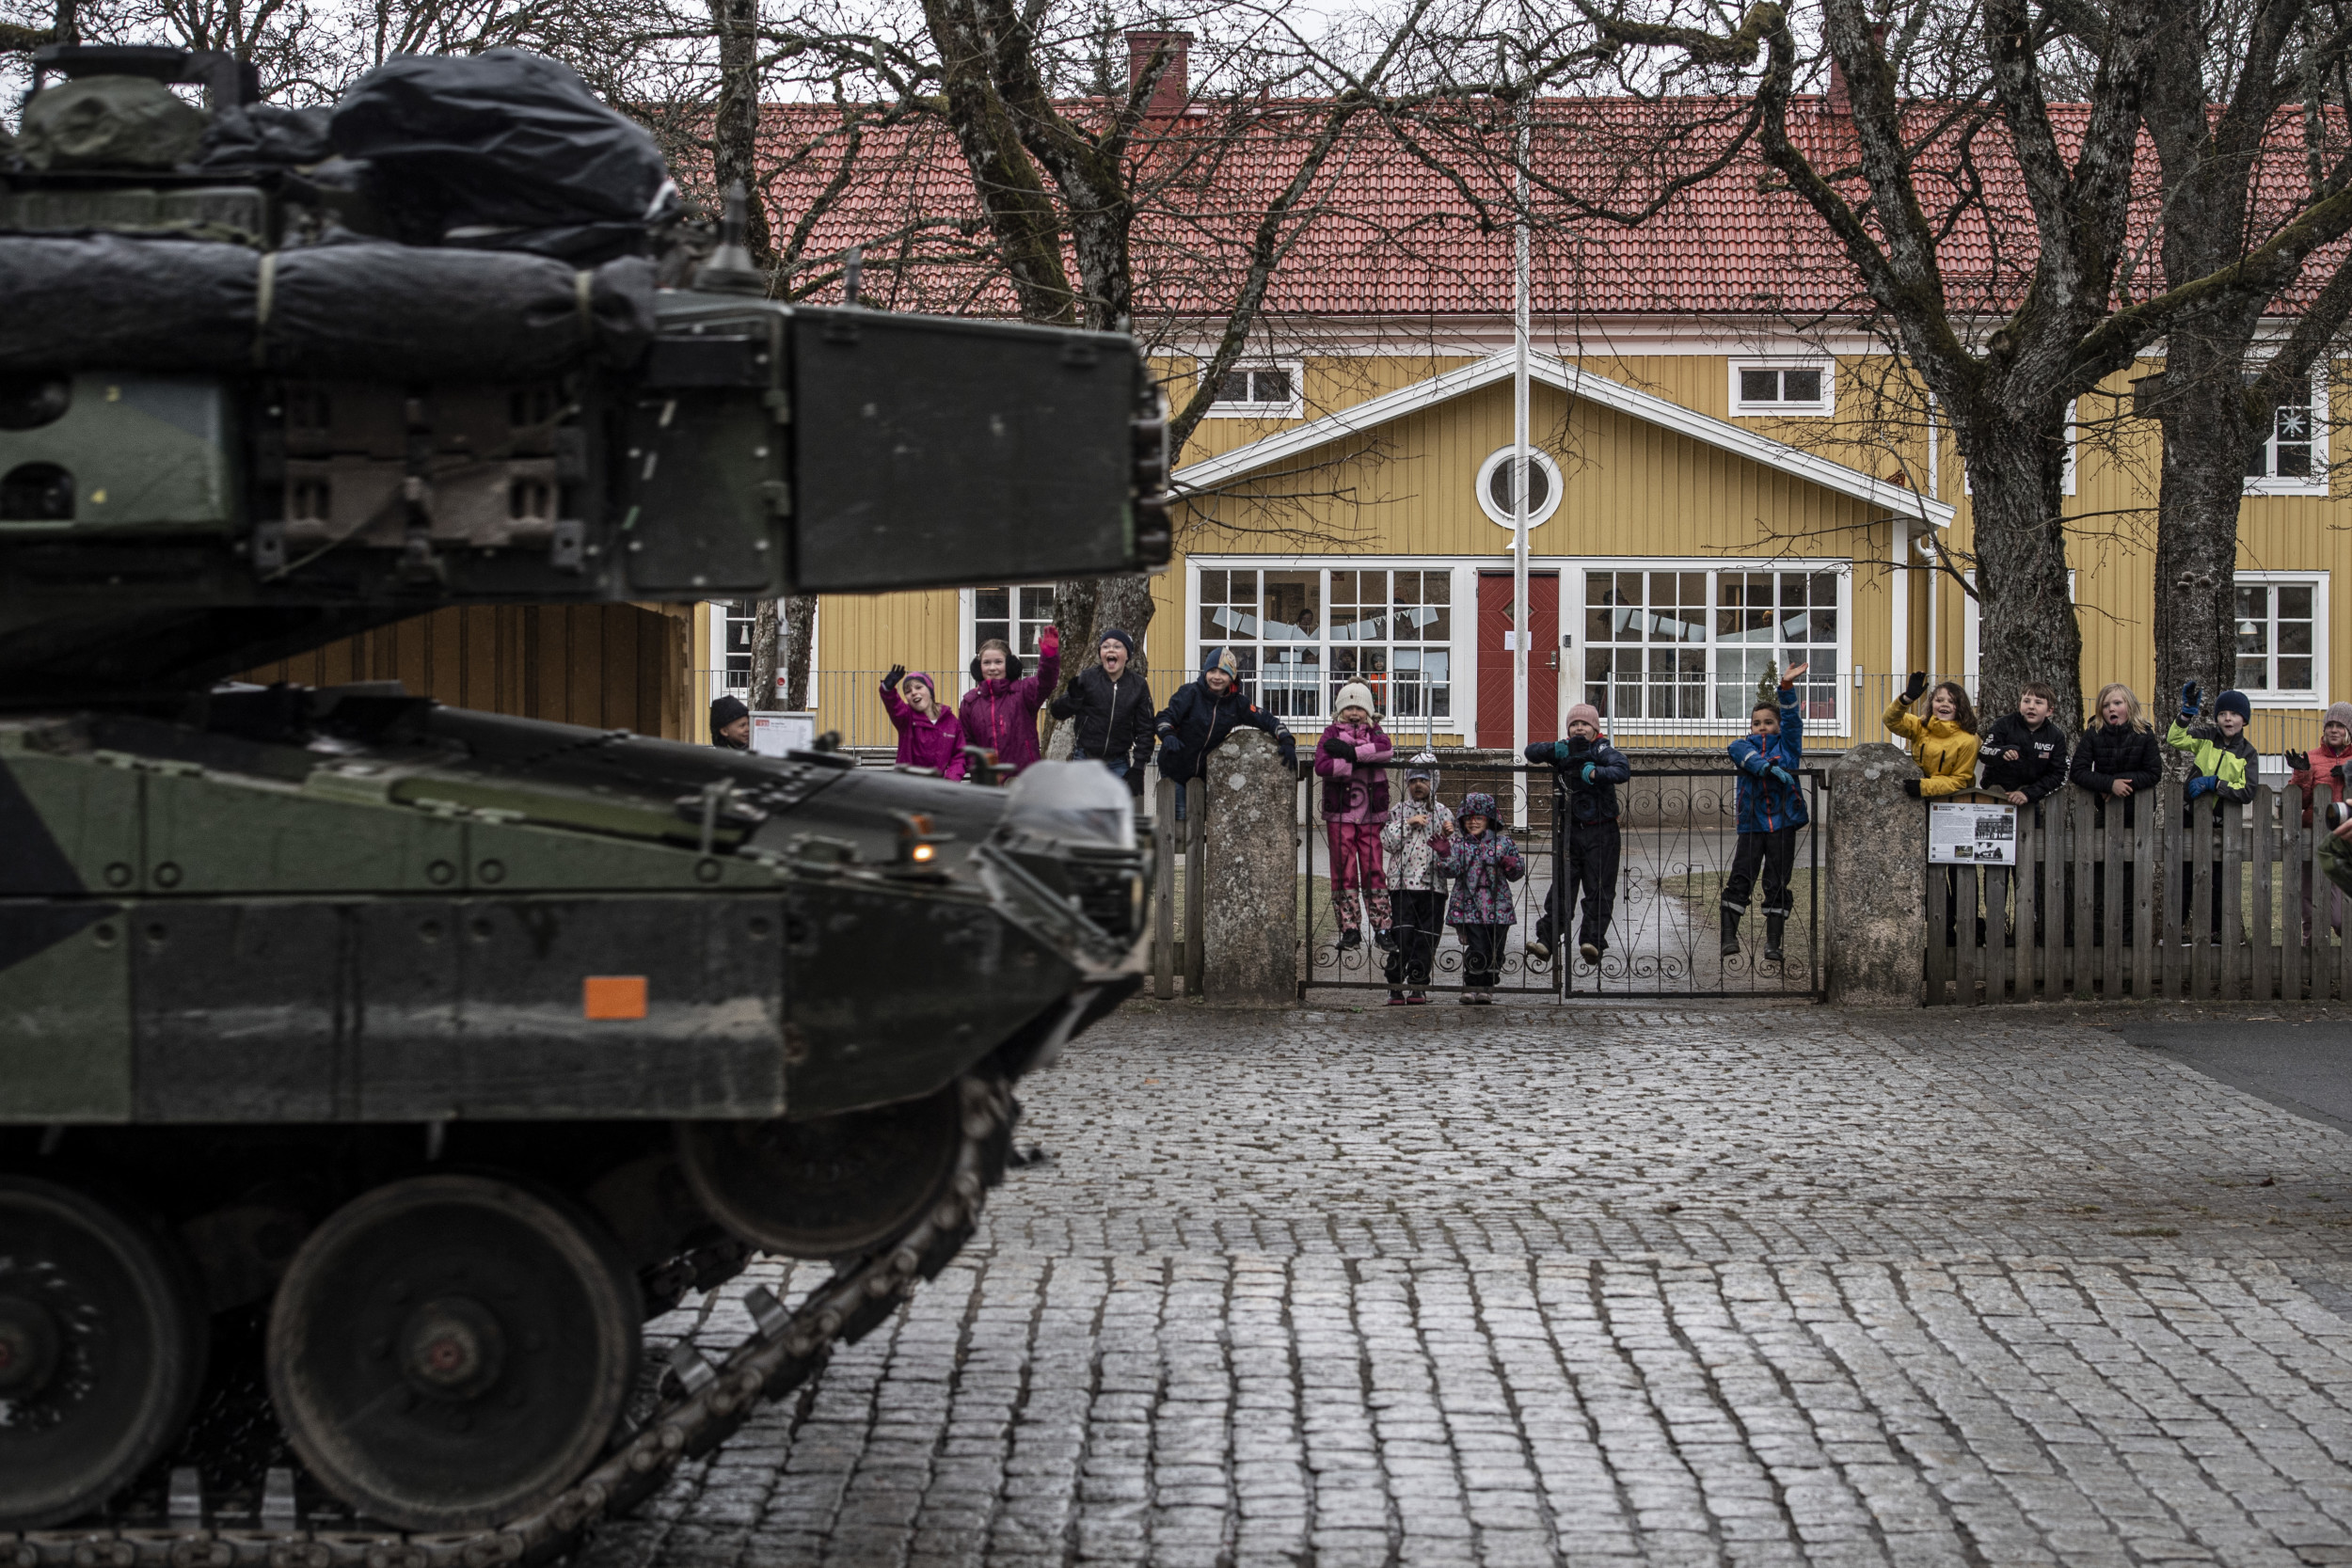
pixel 1700 509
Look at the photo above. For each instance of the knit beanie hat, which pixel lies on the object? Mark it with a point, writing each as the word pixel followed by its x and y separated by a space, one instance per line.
pixel 1221 658
pixel 1586 711
pixel 727 710
pixel 1354 694
pixel 2338 713
pixel 2235 702
pixel 1115 635
pixel 918 676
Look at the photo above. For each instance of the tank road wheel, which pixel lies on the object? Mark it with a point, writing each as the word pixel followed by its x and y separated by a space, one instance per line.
pixel 831 1186
pixel 448 1352
pixel 102 1352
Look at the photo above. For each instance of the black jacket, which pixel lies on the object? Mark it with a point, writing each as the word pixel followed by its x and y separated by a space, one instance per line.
pixel 2041 765
pixel 2108 753
pixel 1592 801
pixel 1196 720
pixel 1114 718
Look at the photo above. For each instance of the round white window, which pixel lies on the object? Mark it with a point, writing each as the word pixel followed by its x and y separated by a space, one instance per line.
pixel 1543 487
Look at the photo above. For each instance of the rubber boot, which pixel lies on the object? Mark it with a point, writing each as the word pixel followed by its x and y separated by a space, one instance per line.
pixel 1731 934
pixel 1772 926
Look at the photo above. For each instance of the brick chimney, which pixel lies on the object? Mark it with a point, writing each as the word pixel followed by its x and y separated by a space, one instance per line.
pixel 1841 100
pixel 1175 83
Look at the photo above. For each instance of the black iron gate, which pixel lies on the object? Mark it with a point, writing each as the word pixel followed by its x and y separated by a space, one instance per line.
pixel 1678 829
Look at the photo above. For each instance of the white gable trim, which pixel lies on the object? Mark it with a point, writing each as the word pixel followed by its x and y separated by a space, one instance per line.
pixel 1719 433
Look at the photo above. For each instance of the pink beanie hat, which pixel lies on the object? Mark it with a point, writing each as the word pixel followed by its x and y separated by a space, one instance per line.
pixel 1586 711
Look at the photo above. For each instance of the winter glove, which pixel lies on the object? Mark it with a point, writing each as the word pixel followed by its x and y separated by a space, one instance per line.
pixel 897 672
pixel 2344 774
pixel 1335 747
pixel 1783 776
pixel 1911 788
pixel 1918 684
pixel 2204 783
pixel 2299 761
pixel 1539 750
pixel 1049 643
pixel 1585 774
pixel 2188 700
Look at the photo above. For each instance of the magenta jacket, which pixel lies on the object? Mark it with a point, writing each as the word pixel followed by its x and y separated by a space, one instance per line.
pixel 926 742
pixel 1001 715
pixel 1355 786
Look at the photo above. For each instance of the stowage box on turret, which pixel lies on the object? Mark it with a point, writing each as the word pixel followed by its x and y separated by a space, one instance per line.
pixel 450 1046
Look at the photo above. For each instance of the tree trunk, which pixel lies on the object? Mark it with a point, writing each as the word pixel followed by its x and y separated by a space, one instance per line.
pixel 735 124
pixel 762 696
pixel 2207 433
pixel 2026 626
pixel 800 626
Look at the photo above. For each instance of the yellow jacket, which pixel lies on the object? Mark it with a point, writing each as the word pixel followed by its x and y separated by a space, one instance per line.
pixel 1945 752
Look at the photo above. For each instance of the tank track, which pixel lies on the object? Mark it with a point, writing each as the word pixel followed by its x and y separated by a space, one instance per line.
pixel 701 1404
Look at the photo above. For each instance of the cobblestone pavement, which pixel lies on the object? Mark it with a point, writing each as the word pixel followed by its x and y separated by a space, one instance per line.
pixel 1536 1285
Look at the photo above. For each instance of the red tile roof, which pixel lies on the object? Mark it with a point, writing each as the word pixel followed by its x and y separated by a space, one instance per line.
pixel 1388 230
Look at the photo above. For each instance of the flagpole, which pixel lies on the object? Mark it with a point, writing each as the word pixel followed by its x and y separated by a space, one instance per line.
pixel 1519 615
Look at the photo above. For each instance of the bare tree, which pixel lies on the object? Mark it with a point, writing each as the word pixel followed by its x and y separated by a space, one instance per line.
pixel 2272 162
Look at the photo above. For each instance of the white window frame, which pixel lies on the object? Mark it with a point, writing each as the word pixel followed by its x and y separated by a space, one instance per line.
pixel 1573 642
pixel 1461 646
pixel 1826 407
pixel 716 611
pixel 1293 409
pixel 968 640
pixel 2316 697
pixel 2316 483
pixel 1555 489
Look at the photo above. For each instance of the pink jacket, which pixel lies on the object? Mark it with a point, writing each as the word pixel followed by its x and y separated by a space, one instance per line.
pixel 1355 786
pixel 936 742
pixel 1001 715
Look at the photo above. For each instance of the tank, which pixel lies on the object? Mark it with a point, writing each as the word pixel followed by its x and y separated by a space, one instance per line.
pixel 371 1070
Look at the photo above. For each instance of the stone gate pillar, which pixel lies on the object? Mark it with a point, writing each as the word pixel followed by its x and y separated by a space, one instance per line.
pixel 1877 880
pixel 1251 937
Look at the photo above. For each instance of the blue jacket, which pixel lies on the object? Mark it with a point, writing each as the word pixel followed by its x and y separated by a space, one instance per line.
pixel 1766 804
pixel 1196 720
pixel 1593 799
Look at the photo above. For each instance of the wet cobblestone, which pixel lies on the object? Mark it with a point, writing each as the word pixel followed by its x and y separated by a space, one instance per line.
pixel 1538 1286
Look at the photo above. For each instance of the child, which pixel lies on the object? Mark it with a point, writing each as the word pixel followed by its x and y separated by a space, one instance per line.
pixel 2317 769
pixel 1484 863
pixel 1416 903
pixel 1590 769
pixel 2114 760
pixel 2025 757
pixel 1352 760
pixel 2224 763
pixel 1771 809
pixel 1944 744
pixel 1000 711
pixel 929 735
pixel 2025 754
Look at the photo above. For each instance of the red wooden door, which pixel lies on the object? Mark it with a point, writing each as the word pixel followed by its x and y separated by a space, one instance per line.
pixel 1495 622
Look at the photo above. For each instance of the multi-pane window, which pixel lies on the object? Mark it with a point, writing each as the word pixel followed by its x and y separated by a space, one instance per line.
pixel 1688 645
pixel 2285 448
pixel 1014 615
pixel 1779 390
pixel 2276 635
pixel 1300 635
pixel 1263 391
pixel 741 614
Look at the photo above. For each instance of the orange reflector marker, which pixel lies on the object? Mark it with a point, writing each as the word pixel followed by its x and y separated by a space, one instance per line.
pixel 612 996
